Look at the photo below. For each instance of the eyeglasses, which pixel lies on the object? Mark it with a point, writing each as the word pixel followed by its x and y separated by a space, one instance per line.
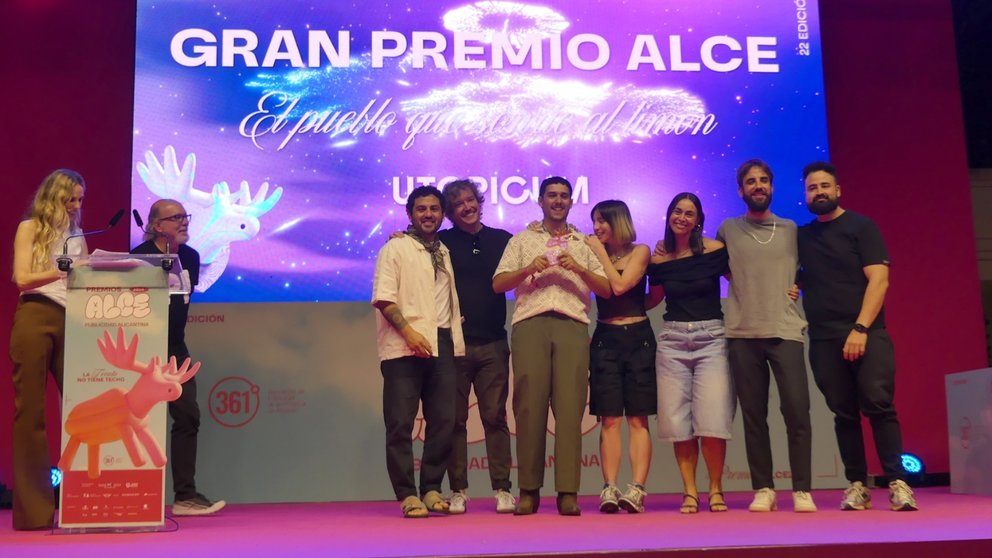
pixel 476 250
pixel 183 218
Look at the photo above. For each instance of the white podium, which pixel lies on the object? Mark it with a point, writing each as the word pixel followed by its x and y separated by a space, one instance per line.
pixel 117 383
pixel 969 430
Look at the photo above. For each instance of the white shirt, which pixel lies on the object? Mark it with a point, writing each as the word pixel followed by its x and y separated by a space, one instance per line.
pixel 442 286
pixel 404 275
pixel 56 290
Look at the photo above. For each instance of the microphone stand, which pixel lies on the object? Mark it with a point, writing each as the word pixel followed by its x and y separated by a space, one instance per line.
pixel 167 263
pixel 64 261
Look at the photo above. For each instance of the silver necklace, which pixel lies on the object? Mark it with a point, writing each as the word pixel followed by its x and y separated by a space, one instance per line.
pixel 621 255
pixel 774 223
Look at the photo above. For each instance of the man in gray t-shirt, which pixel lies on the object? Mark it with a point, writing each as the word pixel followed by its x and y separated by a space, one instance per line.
pixel 764 328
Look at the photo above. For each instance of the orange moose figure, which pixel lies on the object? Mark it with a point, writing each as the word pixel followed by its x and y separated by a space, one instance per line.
pixel 119 414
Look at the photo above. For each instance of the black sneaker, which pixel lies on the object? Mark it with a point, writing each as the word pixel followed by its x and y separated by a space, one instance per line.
pixel 197 505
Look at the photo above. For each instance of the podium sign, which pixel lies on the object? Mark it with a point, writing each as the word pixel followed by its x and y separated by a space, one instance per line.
pixel 969 430
pixel 115 388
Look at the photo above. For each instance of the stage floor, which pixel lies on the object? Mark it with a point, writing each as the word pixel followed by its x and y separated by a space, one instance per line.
pixel 958 526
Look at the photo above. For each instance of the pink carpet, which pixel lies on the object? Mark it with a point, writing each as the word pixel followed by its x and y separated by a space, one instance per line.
pixel 948 526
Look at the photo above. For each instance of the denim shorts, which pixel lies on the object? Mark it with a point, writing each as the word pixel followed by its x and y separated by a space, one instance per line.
pixel 695 388
pixel 621 370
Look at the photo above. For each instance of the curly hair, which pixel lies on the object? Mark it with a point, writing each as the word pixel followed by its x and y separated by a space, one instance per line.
pixel 454 188
pixel 50 217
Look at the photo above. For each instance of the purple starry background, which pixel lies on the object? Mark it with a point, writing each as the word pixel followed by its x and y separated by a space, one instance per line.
pixel 320 241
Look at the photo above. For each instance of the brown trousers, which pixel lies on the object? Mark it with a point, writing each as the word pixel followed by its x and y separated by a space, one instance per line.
pixel 37 342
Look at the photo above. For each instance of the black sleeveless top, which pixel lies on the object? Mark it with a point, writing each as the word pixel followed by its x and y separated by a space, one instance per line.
pixel 628 305
pixel 692 286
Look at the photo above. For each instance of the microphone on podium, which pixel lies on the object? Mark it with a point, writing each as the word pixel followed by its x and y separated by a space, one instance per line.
pixel 166 262
pixel 64 261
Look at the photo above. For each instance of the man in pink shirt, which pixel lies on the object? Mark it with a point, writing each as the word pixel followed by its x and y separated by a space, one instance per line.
pixel 553 272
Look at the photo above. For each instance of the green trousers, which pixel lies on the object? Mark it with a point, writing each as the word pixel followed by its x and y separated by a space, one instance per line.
pixel 550 355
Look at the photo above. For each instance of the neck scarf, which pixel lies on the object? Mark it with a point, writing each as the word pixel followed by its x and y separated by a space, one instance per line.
pixel 433 248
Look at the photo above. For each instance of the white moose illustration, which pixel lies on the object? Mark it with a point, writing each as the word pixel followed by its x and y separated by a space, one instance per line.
pixel 220 216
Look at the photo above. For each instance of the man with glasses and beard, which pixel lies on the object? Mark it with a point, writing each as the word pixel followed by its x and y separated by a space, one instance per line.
pixel 418 336
pixel 845 274
pixel 166 233
pixel 764 329
pixel 475 252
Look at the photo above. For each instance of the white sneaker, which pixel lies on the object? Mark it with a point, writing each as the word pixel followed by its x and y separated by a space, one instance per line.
pixel 901 497
pixel 197 505
pixel 609 499
pixel 633 499
pixel 802 502
pixel 764 501
pixel 856 497
pixel 505 502
pixel 456 505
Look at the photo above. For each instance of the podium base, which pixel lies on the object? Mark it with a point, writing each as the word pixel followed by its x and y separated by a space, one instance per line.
pixel 169 526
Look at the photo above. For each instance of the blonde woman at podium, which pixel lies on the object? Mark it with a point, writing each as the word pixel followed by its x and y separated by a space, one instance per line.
pixel 37 337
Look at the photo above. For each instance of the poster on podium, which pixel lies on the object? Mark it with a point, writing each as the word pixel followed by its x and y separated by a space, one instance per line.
pixel 117 383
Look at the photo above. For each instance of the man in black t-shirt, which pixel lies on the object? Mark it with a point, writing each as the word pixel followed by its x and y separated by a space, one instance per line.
pixel 166 232
pixel 475 252
pixel 844 276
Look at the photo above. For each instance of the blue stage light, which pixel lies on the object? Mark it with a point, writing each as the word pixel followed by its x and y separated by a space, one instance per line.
pixel 912 464
pixel 56 477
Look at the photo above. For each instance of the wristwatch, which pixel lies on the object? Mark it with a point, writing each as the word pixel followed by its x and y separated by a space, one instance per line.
pixel 860 328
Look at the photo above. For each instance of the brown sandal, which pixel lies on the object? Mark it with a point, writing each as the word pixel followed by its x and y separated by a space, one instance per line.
pixel 687 506
pixel 413 508
pixel 434 502
pixel 718 506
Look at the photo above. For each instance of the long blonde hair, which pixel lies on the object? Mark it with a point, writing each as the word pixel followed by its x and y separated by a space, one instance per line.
pixel 50 217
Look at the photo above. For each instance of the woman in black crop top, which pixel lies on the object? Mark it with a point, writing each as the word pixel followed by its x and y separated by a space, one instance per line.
pixel 695 392
pixel 621 356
